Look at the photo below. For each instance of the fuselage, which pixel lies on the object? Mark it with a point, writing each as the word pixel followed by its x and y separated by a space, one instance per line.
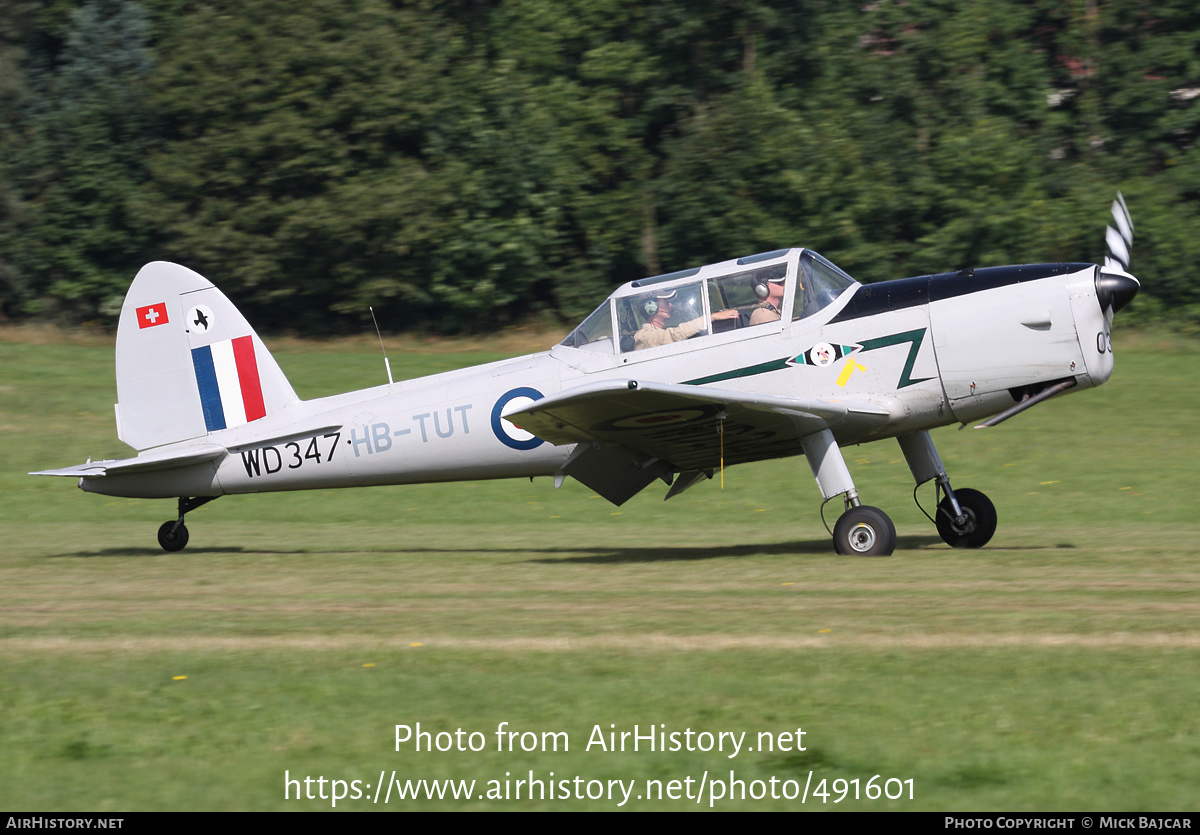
pixel 931 351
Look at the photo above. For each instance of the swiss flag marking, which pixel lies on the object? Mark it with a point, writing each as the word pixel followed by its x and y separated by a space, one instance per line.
pixel 155 314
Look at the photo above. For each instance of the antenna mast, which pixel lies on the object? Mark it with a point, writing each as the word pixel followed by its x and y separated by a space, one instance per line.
pixel 386 364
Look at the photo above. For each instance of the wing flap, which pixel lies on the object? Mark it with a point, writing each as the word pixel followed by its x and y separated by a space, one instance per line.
pixel 615 472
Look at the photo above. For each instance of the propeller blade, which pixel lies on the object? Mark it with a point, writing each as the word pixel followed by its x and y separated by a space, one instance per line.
pixel 1122 217
pixel 1118 250
pixel 1119 237
pixel 1115 287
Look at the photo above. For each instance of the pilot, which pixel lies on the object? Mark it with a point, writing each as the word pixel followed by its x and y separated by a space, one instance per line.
pixel 770 309
pixel 655 332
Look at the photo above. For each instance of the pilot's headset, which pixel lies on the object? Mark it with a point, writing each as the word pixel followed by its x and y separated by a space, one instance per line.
pixel 650 305
pixel 762 284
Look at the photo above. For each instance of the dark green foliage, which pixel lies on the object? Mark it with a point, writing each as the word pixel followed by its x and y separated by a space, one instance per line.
pixel 77 165
pixel 15 97
pixel 461 165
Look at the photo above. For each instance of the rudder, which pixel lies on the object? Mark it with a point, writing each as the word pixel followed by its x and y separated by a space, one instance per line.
pixel 188 363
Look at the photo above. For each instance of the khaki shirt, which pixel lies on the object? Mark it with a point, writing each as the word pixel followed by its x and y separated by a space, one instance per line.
pixel 648 336
pixel 763 313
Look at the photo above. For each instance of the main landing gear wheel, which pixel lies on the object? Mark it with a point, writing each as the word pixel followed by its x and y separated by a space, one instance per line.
pixel 980 523
pixel 864 531
pixel 173 536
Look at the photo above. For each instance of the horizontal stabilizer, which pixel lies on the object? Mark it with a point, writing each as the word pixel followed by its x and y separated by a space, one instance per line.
pixel 294 435
pixel 141 464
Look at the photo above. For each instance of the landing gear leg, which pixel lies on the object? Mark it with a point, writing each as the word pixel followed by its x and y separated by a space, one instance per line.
pixel 862 530
pixel 965 518
pixel 173 536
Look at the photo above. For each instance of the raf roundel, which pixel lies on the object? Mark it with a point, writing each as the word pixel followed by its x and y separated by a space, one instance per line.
pixel 507 433
pixel 654 420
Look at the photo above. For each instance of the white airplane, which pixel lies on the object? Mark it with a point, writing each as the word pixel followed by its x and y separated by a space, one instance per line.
pixel 671 378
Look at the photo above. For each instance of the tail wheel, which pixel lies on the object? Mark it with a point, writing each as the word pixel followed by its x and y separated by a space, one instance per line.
pixel 864 531
pixel 980 522
pixel 173 536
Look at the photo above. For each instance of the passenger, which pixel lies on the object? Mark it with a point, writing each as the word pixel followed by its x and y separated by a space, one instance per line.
pixel 770 309
pixel 655 332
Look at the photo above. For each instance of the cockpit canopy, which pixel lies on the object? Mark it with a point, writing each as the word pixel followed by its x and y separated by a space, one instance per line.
pixel 785 285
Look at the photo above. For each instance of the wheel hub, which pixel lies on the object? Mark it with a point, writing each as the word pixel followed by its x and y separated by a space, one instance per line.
pixel 968 524
pixel 862 537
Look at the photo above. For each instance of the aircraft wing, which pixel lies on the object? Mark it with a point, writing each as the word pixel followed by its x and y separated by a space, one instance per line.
pixel 141 464
pixel 631 432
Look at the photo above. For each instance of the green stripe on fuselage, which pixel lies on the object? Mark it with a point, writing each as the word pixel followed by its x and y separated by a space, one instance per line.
pixel 750 371
pixel 915 338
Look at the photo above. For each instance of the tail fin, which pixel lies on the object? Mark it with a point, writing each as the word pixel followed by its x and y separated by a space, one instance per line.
pixel 188 363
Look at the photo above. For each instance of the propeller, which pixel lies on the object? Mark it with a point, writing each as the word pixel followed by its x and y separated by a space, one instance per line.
pixel 1119 237
pixel 1115 287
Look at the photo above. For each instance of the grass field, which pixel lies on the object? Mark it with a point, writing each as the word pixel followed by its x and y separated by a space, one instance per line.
pixel 1056 669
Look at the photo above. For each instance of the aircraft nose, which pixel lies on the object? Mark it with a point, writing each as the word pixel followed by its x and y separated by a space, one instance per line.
pixel 1115 289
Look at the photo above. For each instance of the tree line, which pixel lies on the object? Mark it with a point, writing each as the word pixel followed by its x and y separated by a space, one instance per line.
pixel 460 164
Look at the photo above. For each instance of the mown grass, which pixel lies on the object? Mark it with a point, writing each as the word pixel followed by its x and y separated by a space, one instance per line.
pixel 1055 669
